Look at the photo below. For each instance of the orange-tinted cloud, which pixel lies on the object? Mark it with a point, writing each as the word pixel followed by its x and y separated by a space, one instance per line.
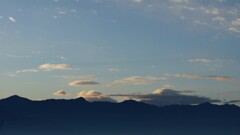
pixel 83 83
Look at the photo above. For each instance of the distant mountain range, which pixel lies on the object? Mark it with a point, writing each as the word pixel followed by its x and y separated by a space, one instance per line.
pixel 21 116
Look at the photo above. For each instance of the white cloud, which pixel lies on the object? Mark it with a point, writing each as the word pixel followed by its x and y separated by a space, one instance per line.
pixel 135 80
pixel 11 75
pixel 219 19
pixel 179 1
pixel 204 60
pixel 137 1
pixel 236 22
pixel 11 19
pixel 195 12
pixel 27 70
pixel 213 11
pixel 92 95
pixel 62 12
pixel 83 83
pixel 234 30
pixel 49 67
pixel 60 93
pixel 62 58
pixel 221 0
pixel 55 17
pixel 73 11
pixel 113 69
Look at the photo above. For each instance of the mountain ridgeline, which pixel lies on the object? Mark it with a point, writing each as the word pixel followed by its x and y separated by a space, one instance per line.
pixel 21 116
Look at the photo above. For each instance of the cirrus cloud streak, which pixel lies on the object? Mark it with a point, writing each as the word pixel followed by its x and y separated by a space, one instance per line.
pixel 194 76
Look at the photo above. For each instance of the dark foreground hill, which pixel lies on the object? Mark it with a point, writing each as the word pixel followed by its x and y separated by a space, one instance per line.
pixel 21 116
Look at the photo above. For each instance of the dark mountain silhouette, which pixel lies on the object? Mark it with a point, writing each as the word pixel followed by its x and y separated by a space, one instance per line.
pixel 21 116
pixel 15 98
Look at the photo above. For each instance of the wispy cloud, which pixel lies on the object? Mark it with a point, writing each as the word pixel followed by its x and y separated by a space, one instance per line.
pixel 234 30
pixel 214 64
pixel 73 10
pixel 137 1
pixel 49 67
pixel 83 83
pixel 194 76
pixel 27 70
pixel 220 19
pixel 179 1
pixel 62 12
pixel 204 60
pixel 219 15
pixel 62 58
pixel 79 77
pixel 114 69
pixel 55 17
pixel 13 56
pixel 135 80
pixel 11 75
pixel 236 22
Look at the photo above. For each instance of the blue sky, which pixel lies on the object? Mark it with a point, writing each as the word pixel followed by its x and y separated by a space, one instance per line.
pixel 117 49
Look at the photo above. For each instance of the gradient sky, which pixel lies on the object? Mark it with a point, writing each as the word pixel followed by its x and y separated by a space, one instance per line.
pixel 97 48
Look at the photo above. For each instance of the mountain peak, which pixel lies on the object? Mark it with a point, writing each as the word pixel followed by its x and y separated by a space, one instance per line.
pixel 133 102
pixel 16 98
pixel 230 105
pixel 129 102
pixel 81 99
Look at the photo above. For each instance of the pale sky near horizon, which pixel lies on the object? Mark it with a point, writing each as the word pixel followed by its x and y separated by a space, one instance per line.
pixel 97 48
